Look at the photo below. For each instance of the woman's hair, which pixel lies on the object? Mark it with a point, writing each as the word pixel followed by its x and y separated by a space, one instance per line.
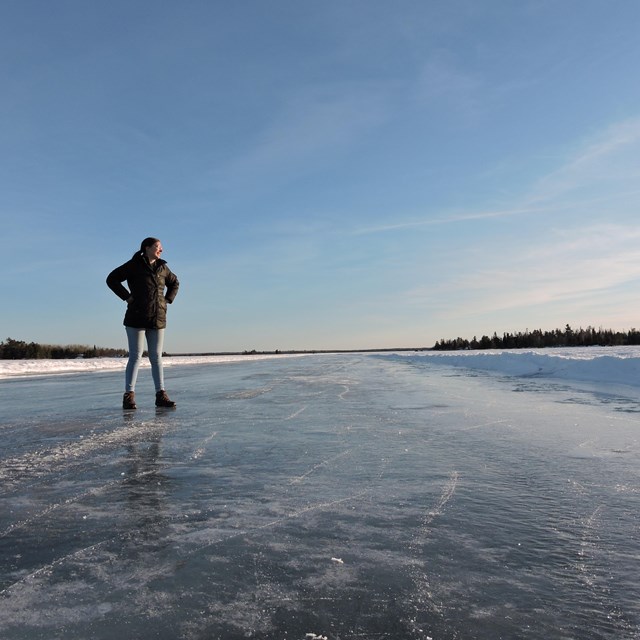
pixel 147 242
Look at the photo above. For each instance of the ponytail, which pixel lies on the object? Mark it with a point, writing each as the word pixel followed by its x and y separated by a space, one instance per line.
pixel 147 242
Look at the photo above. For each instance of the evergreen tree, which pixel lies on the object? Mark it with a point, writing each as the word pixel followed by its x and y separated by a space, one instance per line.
pixel 538 339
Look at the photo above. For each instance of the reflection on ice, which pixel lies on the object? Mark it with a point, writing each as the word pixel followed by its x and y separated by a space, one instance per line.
pixel 321 497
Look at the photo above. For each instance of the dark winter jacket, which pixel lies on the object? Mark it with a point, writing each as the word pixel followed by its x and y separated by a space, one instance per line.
pixel 147 284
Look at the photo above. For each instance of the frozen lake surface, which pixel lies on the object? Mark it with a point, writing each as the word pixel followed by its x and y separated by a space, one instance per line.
pixel 345 496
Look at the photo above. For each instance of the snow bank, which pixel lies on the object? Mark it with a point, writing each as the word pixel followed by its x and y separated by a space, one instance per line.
pixel 18 368
pixel 618 365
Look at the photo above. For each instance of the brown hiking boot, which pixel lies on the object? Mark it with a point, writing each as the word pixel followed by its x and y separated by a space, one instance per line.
pixel 129 400
pixel 162 400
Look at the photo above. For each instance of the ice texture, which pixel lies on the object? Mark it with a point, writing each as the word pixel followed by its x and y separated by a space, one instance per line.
pixel 329 496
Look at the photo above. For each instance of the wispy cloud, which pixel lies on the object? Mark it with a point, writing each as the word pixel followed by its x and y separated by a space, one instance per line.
pixel 571 268
pixel 610 156
pixel 579 262
pixel 310 124
pixel 441 79
pixel 602 170
pixel 447 219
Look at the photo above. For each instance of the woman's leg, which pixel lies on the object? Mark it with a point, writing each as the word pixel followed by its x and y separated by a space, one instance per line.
pixel 135 338
pixel 155 342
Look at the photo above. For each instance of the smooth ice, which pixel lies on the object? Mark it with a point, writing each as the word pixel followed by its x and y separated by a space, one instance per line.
pixel 344 496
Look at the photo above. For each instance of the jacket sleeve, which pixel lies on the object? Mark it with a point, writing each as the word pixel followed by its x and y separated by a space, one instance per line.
pixel 172 286
pixel 115 280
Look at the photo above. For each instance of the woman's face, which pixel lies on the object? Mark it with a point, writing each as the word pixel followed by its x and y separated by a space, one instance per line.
pixel 154 251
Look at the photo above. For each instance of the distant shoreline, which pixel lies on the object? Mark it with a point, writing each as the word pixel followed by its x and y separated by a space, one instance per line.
pixel 293 352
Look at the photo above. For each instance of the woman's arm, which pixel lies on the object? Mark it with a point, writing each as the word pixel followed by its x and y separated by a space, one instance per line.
pixel 115 280
pixel 172 286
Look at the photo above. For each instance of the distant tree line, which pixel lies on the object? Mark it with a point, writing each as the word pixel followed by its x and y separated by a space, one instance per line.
pixel 536 339
pixel 11 349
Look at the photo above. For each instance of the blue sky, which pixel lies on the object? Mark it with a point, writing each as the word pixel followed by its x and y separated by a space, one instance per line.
pixel 338 174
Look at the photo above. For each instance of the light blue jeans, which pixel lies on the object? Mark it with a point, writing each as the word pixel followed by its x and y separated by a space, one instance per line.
pixel 155 341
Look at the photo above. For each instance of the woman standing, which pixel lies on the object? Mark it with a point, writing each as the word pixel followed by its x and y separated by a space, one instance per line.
pixel 151 286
